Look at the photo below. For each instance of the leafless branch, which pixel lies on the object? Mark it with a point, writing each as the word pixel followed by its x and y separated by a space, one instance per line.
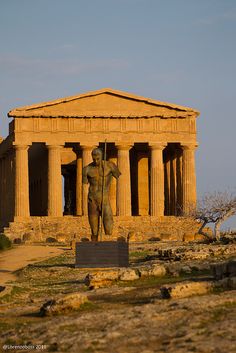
pixel 214 208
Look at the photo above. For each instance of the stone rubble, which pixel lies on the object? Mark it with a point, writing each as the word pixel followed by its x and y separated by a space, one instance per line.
pixel 224 278
pixel 63 305
pixel 103 278
pixel 187 289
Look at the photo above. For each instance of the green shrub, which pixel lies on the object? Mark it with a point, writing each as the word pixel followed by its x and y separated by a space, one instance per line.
pixel 5 242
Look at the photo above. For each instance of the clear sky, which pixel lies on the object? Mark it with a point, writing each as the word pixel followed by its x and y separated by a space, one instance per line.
pixel 179 51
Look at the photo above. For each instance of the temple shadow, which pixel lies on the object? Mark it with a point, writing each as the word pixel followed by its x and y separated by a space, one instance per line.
pixel 67 282
pixel 133 298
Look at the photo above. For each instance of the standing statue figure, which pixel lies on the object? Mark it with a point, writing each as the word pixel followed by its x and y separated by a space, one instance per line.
pixel 99 174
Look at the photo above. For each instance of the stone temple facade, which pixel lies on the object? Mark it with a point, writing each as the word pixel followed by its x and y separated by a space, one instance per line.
pixel 41 160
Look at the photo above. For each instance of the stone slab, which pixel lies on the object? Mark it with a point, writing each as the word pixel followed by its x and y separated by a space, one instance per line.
pixel 102 254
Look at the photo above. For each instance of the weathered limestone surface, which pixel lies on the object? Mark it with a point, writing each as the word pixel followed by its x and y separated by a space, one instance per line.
pixel 186 289
pixel 104 278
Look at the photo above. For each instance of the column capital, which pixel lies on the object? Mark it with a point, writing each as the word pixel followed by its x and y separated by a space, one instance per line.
pixel 88 147
pixel 124 146
pixel 189 146
pixel 21 147
pixel 157 146
pixel 54 147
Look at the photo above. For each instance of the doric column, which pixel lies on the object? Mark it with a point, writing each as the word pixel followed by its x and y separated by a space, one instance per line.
pixel 179 181
pixel 123 199
pixel 54 181
pixel 86 159
pixel 157 180
pixel 21 181
pixel 189 177
pixel 78 185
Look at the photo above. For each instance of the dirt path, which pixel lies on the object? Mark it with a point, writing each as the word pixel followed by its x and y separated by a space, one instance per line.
pixel 22 255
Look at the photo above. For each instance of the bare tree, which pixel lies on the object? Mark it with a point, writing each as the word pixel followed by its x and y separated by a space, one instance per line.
pixel 214 208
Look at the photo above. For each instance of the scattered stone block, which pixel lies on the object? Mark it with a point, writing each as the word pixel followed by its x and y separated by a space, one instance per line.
pixel 144 271
pixel 158 270
pixel 63 305
pixel 128 274
pixel 154 270
pixel 186 289
pixel 101 279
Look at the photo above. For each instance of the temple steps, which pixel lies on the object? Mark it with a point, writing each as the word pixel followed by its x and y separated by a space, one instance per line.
pixel 67 228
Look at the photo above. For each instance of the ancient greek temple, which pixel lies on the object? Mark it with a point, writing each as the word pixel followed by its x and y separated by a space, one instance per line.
pixel 41 160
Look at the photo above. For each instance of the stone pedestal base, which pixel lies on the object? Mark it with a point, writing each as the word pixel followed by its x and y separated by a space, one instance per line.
pixel 102 254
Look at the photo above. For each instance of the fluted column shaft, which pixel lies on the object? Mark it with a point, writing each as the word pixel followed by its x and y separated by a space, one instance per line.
pixel 54 181
pixel 189 177
pixel 123 207
pixel 21 181
pixel 157 180
pixel 86 159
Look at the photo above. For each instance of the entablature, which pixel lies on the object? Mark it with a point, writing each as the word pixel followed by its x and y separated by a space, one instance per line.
pixel 102 125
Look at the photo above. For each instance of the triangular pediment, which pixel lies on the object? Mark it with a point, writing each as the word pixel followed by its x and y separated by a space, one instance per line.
pixel 103 103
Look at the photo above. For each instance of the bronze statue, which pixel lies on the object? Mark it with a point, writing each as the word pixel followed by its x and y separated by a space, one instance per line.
pixel 99 174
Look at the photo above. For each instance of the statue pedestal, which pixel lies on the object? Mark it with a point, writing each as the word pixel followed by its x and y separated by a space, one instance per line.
pixel 102 254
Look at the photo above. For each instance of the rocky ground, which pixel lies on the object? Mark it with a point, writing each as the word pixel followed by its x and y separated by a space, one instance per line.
pixel 124 311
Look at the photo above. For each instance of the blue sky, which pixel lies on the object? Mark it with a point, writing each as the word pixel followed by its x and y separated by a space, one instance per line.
pixel 179 51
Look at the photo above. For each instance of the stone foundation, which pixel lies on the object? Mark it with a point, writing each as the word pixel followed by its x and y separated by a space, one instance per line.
pixel 67 228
